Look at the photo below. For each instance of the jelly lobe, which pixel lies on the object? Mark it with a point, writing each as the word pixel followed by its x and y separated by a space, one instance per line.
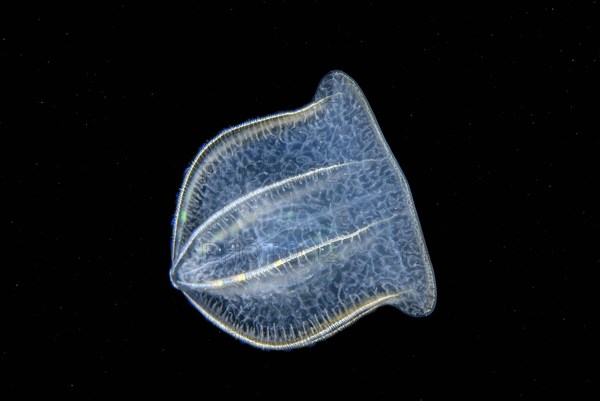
pixel 291 227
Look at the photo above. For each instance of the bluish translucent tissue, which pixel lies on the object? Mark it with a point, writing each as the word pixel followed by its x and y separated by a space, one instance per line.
pixel 291 227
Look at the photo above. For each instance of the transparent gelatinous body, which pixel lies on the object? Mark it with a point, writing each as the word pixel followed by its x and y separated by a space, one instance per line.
pixel 290 227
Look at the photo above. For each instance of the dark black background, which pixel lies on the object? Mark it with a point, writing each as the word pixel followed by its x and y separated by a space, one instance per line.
pixel 490 113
